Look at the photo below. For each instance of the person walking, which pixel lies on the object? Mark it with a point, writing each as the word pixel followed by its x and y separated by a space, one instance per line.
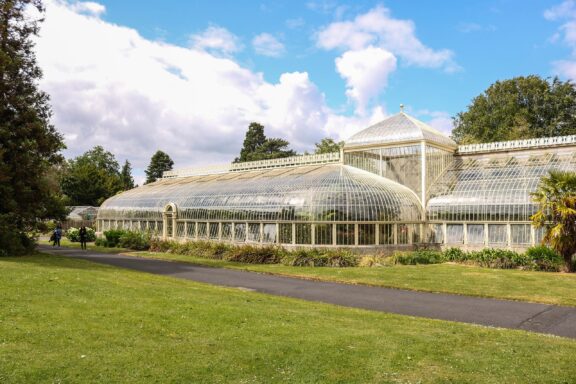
pixel 83 237
pixel 57 235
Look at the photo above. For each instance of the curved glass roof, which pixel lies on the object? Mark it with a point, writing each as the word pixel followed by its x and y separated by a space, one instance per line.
pixel 493 188
pixel 331 192
pixel 396 129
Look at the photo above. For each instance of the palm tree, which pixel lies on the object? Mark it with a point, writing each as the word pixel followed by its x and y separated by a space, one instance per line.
pixel 556 198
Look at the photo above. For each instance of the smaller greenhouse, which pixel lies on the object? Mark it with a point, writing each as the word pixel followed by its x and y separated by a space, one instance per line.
pixel 394 184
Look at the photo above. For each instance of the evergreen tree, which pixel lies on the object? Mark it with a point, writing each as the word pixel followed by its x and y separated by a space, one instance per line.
pixel 328 145
pixel 92 178
pixel 519 108
pixel 126 176
pixel 30 146
pixel 258 147
pixel 159 163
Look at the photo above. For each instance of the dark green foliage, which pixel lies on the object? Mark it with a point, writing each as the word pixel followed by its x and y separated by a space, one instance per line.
pixel 519 108
pixel 159 163
pixel 73 234
pixel 257 147
pixel 545 259
pixel 139 241
pixel 318 257
pixel 556 199
pixel 29 145
pixel 91 178
pixel 454 254
pixel 328 145
pixel 498 258
pixel 113 237
pixel 253 254
pixel 126 178
pixel 418 257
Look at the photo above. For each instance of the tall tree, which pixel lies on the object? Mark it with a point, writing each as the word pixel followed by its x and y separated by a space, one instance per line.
pixel 159 163
pixel 29 146
pixel 126 176
pixel 556 198
pixel 91 178
pixel 519 108
pixel 328 145
pixel 257 147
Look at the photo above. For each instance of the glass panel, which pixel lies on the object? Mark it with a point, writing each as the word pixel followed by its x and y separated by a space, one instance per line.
pixel 191 230
pixel 159 226
pixel 345 234
pixel 226 231
pixel 497 234
pixel 475 233
pixel 323 233
pixel 303 234
pixel 539 235
pixel 253 232
pixel 152 226
pixel 214 231
pixel 454 234
pixel 415 229
pixel 143 226
pixel 435 233
pixel 366 234
pixel 240 232
pixel 269 233
pixel 386 234
pixel 403 233
pixel 286 233
pixel 202 230
pixel 520 234
pixel 180 229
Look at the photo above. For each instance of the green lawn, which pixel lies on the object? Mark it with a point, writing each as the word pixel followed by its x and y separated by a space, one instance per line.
pixel 91 246
pixel 72 321
pixel 540 287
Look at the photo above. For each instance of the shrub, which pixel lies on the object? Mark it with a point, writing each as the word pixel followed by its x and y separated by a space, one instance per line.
pixel 418 257
pixel 138 241
pixel 454 254
pixel 253 254
pixel 374 261
pixel 113 236
pixel 319 258
pixel 101 242
pixel 545 259
pixel 73 234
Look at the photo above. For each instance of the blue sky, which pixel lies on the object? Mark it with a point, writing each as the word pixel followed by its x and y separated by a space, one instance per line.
pixel 188 76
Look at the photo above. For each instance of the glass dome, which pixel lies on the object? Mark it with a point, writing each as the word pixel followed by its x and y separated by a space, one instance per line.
pixel 399 128
pixel 322 193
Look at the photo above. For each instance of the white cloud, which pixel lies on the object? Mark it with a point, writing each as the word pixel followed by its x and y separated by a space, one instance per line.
pixel 440 120
pixel 378 28
pixel 267 45
pixel 89 8
pixel 216 39
pixel 373 42
pixel 110 86
pixel 366 72
pixel 567 34
pixel 295 23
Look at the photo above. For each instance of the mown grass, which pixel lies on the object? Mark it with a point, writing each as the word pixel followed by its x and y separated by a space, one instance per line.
pixel 539 287
pixel 66 320
pixel 91 246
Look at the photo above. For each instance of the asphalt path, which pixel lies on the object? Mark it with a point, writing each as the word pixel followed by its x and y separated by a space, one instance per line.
pixel 542 318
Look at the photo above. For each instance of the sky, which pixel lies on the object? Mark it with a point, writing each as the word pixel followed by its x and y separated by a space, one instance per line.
pixel 188 76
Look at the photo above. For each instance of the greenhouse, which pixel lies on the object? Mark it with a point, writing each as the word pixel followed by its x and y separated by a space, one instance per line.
pixel 396 184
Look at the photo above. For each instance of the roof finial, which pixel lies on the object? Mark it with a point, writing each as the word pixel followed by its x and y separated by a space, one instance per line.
pixel 401 108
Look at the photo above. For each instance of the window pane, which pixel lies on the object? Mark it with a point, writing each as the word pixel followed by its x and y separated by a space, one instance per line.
pixel 386 234
pixel 323 234
pixel 303 234
pixel 520 234
pixel 269 233
pixel 475 233
pixel 454 234
pixel 497 234
pixel 240 232
pixel 214 230
pixel 403 234
pixel 191 230
pixel 366 234
pixel 254 232
pixel 202 230
pixel 226 231
pixel 345 234
pixel 286 233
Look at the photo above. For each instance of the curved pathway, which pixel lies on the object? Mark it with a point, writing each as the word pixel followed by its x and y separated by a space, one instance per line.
pixel 543 318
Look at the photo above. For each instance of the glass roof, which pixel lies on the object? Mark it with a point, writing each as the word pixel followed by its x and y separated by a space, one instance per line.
pixel 493 188
pixel 396 129
pixel 331 192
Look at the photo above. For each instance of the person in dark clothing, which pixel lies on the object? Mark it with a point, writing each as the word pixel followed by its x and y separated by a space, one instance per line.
pixel 57 235
pixel 83 237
